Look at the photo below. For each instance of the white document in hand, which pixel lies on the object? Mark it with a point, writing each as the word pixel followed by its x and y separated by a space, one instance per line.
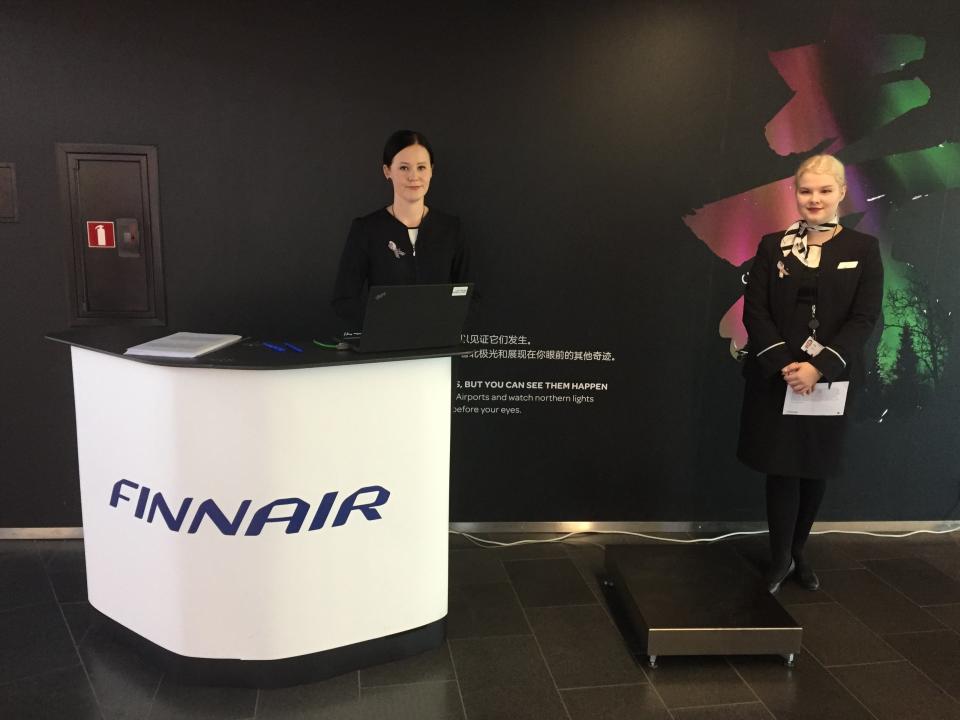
pixel 826 399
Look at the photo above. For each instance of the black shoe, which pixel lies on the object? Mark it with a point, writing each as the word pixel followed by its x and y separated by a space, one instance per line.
pixel 805 576
pixel 775 579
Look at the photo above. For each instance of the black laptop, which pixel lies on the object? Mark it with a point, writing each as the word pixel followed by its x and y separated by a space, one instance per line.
pixel 413 317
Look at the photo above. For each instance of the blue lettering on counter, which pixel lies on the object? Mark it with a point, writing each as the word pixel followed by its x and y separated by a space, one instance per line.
pixel 292 511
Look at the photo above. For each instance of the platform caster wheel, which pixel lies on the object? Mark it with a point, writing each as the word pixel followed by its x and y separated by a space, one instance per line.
pixel 790 660
pixel 652 661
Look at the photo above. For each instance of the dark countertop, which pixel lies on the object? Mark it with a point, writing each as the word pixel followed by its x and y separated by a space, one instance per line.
pixel 248 354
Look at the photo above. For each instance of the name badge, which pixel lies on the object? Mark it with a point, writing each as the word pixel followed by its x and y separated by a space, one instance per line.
pixel 847 265
pixel 811 347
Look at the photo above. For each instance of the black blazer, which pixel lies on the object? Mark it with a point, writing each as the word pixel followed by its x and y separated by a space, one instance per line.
pixel 849 301
pixel 379 252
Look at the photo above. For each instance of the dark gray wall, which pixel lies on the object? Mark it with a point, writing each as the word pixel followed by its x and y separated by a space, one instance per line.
pixel 572 138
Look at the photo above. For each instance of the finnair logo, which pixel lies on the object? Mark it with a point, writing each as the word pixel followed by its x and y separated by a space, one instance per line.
pixel 292 511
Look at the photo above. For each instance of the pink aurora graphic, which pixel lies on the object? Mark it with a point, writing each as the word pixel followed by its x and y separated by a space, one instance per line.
pixel 732 227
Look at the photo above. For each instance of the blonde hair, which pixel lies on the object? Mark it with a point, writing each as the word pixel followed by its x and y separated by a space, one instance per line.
pixel 822 165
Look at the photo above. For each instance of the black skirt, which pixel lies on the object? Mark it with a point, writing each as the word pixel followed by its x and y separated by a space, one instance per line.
pixel 778 444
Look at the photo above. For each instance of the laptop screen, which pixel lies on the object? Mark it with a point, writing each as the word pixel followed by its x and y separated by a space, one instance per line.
pixel 413 317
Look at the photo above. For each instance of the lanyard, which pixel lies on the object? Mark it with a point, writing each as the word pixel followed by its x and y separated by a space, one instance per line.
pixel 814 323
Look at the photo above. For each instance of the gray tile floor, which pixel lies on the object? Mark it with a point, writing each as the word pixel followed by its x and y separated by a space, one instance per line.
pixel 530 637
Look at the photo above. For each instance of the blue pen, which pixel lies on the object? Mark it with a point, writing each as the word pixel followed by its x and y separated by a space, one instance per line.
pixel 275 348
pixel 292 346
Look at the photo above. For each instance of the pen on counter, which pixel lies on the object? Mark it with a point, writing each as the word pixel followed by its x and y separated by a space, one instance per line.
pixel 293 347
pixel 275 348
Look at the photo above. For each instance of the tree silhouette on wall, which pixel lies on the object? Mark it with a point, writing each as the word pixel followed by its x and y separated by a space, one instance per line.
pixel 926 328
pixel 904 393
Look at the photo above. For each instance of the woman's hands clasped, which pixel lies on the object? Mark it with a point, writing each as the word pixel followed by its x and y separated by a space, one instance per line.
pixel 801 377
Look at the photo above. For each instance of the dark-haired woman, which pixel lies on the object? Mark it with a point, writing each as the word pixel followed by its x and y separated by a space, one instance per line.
pixel 405 243
pixel 811 303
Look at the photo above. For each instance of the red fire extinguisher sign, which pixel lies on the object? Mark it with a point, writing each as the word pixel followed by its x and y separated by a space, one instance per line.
pixel 100 234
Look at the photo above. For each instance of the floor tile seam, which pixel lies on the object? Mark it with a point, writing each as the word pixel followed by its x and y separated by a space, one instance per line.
pixel 490 637
pixel 787 606
pixel 718 705
pixel 915 602
pixel 73 638
pixel 588 579
pixel 849 692
pixel 924 673
pixel 824 664
pixel 627 646
pixel 30 605
pixel 86 633
pixel 919 670
pixel 468 586
pixel 153 698
pixel 613 626
pixel 921 553
pixel 602 602
pixel 838 569
pixel 920 632
pixel 874 559
pixel 856 614
pixel 878 559
pixel 17 569
pixel 936 605
pixel 878 636
pixel 819 591
pixel 83 638
pixel 546 665
pixel 556 607
pixel 606 685
pixel 571 545
pixel 505 557
pixel 840 666
pixel 900 592
pixel 937 685
pixel 256 704
pixel 751 688
pixel 656 691
pixel 842 686
pixel 403 684
pixel 68 547
pixel 508 546
pixel 76 649
pixel 479 584
pixel 35 676
pixel 893 648
pixel 456 677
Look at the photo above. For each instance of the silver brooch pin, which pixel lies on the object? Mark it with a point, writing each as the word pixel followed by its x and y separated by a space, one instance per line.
pixel 782 269
pixel 397 252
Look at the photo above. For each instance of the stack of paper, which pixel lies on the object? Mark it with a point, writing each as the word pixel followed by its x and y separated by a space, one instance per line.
pixel 183 345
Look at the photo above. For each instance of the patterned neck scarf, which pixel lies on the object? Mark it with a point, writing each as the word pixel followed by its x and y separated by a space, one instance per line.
pixel 794 241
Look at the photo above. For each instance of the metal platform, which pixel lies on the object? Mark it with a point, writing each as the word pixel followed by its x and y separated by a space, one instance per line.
pixel 702 600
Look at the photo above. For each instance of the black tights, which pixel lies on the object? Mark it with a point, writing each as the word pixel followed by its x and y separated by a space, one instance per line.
pixel 792 505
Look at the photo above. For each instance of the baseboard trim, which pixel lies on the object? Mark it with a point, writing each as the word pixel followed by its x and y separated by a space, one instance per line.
pixel 41 533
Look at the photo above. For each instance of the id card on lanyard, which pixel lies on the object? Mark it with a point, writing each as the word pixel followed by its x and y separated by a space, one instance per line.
pixel 810 346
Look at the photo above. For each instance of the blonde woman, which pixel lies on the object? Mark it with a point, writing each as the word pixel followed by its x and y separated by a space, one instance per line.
pixel 812 299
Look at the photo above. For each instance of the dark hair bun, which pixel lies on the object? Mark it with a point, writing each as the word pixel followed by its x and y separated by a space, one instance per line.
pixel 402 139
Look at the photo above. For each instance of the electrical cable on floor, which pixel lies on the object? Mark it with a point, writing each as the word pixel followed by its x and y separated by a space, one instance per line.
pixel 486 543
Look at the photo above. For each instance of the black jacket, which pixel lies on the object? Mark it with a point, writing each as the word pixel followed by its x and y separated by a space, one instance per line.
pixel 849 299
pixel 369 258
pixel 848 292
